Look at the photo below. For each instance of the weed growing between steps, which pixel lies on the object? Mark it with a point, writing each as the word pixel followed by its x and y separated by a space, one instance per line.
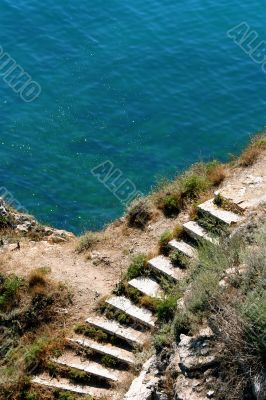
pixel 30 329
pixel 212 225
pixel 91 332
pixel 226 204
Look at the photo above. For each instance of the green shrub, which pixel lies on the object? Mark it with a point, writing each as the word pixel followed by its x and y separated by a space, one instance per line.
pixel 171 205
pixel 30 395
pixel 109 361
pixel 254 314
pixel 194 185
pixel 133 294
pixel 163 338
pixel 218 200
pixel 205 288
pixel 166 308
pixel 5 221
pixel 212 225
pixel 61 395
pixel 9 289
pixel 122 317
pixel 35 353
pixel 138 267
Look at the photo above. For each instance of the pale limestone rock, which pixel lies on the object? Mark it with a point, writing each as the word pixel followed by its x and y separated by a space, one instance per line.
pixel 144 386
pixel 196 351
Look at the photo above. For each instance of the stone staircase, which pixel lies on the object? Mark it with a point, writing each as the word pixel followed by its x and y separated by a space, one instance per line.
pixel 85 354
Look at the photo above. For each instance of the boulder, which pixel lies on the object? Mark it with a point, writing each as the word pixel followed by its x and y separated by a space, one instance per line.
pixel 145 386
pixel 196 352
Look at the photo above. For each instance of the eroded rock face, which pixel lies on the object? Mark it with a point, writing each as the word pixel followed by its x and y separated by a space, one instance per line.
pixel 145 386
pixel 196 352
pixel 188 389
pixel 3 210
pixel 192 365
pixel 25 224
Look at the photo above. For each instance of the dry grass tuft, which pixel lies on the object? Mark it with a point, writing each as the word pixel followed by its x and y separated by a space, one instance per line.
pixel 87 241
pixel 217 174
pixel 139 213
pixel 37 278
pixel 253 151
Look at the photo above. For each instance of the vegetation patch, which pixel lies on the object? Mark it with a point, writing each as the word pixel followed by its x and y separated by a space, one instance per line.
pixel 30 332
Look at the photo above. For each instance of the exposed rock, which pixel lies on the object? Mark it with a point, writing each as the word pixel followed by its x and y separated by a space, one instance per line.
pixel 99 258
pixel 259 386
pixel 191 366
pixel 144 387
pixel 188 389
pixel 56 239
pixel 196 352
pixel 161 396
pixel 3 210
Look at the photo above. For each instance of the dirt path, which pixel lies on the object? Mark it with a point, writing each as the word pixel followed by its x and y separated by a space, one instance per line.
pixel 92 275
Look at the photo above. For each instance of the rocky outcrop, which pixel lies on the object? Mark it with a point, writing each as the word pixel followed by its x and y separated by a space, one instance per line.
pixel 145 386
pixel 26 225
pixel 192 366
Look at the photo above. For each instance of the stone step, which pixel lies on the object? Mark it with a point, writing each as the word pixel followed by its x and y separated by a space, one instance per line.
pixel 226 217
pixel 147 286
pixel 139 314
pixel 64 384
pixel 113 328
pixel 71 360
pixel 164 266
pixel 104 349
pixel 195 231
pixel 183 248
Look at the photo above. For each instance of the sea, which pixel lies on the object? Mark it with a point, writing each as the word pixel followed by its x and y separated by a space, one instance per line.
pixel 145 87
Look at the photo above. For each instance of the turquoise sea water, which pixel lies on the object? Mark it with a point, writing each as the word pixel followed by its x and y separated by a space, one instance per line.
pixel 150 85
